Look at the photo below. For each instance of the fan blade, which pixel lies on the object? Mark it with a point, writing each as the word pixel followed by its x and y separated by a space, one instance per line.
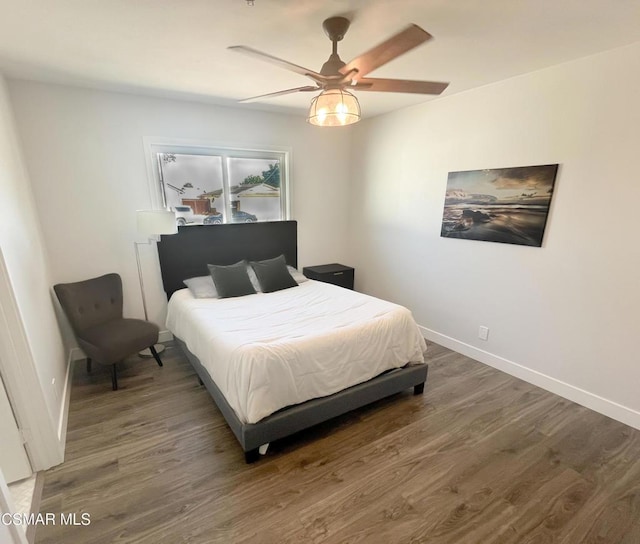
pixel 397 45
pixel 280 93
pixel 399 86
pixel 319 78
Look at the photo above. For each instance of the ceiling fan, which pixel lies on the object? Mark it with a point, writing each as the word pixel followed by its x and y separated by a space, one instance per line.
pixel 335 105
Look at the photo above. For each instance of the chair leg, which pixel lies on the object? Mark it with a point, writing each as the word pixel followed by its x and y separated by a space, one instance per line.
pixel 114 377
pixel 155 355
pixel 88 365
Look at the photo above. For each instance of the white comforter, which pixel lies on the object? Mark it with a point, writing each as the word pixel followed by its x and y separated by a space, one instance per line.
pixel 269 351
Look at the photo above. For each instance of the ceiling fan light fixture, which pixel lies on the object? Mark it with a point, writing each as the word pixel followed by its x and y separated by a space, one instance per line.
pixel 334 108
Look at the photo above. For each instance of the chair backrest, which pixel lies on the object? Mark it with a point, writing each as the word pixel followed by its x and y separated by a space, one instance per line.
pixel 91 302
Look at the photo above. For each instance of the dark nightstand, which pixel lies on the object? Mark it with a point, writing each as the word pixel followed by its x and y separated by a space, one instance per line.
pixel 335 273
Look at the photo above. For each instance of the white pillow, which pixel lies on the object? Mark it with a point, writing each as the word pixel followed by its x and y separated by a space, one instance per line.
pixel 253 278
pixel 296 275
pixel 202 287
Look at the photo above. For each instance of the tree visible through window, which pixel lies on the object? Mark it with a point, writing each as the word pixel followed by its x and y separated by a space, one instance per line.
pixel 223 187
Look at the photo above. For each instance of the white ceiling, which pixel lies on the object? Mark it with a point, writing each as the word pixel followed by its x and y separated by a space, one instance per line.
pixel 178 47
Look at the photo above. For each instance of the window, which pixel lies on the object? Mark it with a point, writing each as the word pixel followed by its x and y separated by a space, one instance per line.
pixel 211 186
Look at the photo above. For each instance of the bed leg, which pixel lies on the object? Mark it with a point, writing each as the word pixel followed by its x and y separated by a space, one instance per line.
pixel 251 456
pixel 418 389
pixel 200 381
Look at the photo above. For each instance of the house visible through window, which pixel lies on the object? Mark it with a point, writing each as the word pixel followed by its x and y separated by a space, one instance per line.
pixel 214 186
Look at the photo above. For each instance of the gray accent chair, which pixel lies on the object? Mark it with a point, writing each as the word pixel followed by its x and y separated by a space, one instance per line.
pixel 94 309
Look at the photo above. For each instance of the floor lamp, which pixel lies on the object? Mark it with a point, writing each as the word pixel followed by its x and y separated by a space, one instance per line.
pixel 152 223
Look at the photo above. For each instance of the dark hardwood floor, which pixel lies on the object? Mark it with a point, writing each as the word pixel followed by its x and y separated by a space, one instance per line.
pixel 480 458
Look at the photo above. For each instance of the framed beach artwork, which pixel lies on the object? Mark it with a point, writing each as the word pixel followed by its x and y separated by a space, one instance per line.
pixel 508 205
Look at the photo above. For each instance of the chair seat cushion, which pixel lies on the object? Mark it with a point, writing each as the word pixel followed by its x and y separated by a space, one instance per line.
pixel 115 340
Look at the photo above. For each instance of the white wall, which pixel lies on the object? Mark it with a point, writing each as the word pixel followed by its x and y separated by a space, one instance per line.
pixel 564 316
pixel 9 533
pixel 87 163
pixel 6 535
pixel 27 267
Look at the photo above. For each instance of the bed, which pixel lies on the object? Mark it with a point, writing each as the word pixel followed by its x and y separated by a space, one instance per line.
pixel 280 362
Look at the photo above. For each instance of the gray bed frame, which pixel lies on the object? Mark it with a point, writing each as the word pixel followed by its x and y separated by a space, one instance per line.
pixel 187 253
pixel 302 416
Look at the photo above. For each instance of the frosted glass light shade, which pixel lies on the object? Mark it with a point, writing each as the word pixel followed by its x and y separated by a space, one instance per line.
pixel 155 222
pixel 334 108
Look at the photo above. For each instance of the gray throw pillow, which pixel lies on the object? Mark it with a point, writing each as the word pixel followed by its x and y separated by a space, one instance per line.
pixel 232 280
pixel 201 287
pixel 273 274
pixel 295 274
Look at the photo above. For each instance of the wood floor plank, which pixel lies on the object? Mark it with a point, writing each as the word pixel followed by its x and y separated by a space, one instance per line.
pixel 481 457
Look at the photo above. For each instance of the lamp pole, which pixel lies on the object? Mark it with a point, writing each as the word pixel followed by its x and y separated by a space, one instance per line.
pixel 144 298
pixel 152 223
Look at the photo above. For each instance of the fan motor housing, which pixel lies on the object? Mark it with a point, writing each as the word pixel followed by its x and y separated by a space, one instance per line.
pixel 336 28
pixel 332 66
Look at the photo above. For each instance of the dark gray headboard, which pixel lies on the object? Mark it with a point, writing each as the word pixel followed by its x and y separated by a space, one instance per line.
pixel 186 254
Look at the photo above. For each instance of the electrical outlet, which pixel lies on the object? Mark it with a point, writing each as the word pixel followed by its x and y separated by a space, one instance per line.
pixel 483 333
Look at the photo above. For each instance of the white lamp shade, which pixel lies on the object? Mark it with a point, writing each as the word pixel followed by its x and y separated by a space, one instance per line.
pixel 155 222
pixel 334 108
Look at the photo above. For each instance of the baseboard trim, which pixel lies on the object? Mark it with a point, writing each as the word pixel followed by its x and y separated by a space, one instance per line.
pixel 575 394
pixel 36 499
pixel 76 354
pixel 66 398
pixel 165 336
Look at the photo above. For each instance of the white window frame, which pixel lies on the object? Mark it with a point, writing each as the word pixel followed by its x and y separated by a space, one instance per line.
pixel 153 146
